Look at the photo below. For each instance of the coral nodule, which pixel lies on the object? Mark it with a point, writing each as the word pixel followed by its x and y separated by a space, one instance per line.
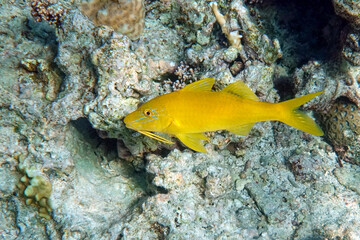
pixel 36 190
pixel 125 16
pixel 342 128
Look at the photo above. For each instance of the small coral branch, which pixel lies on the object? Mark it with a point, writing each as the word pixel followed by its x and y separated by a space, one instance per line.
pixel 233 37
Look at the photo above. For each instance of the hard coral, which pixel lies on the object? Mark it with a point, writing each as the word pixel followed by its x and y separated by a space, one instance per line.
pixel 125 16
pixel 342 128
pixel 348 10
pixel 47 10
pixel 37 190
pixel 351 50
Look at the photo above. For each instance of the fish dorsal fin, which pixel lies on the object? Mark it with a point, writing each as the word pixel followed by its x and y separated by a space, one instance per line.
pixel 201 85
pixel 242 130
pixel 193 140
pixel 240 89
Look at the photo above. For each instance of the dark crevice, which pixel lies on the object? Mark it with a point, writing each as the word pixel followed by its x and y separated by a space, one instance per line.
pixel 40 32
pixel 307 30
pixel 285 88
pixel 153 190
pixel 85 128
pixel 140 178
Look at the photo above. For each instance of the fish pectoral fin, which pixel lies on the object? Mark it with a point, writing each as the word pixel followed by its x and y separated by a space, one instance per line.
pixel 240 89
pixel 156 137
pixel 242 130
pixel 193 140
pixel 201 85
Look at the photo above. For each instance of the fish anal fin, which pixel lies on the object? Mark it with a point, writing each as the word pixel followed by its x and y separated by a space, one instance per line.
pixel 193 140
pixel 202 85
pixel 242 130
pixel 242 90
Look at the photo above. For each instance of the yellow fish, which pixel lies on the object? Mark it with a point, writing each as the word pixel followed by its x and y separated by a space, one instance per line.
pixel 195 109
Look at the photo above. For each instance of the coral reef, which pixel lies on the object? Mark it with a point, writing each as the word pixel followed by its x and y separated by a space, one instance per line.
pixel 125 16
pixel 47 10
pixel 348 10
pixel 233 36
pixel 342 128
pixel 59 81
pixel 351 50
pixel 307 31
pixel 37 190
pixel 50 77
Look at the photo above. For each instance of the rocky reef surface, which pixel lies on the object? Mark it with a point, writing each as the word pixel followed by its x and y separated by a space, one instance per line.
pixel 70 169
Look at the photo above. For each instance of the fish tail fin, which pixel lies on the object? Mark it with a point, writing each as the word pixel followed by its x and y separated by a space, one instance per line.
pixel 297 119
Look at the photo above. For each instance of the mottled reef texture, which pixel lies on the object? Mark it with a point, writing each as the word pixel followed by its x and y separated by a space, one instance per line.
pixel 69 169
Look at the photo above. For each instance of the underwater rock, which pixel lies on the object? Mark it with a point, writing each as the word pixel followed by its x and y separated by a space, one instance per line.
pixel 193 20
pixel 125 16
pixel 336 82
pixel 119 86
pixel 349 177
pixel 304 167
pixel 260 44
pixel 126 78
pixel 159 52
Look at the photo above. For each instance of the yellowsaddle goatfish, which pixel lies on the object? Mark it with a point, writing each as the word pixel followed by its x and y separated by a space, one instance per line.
pixel 195 109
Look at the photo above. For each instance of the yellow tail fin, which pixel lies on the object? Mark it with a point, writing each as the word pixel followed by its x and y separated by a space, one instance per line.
pixel 297 119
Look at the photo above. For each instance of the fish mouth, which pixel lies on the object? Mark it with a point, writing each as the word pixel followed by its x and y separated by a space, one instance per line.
pixel 128 125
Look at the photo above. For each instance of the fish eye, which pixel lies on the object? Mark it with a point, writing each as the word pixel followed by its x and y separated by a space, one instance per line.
pixel 148 112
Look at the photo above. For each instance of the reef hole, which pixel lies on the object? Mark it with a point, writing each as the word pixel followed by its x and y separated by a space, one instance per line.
pixel 91 135
pixel 285 87
pixel 108 148
pixel 307 29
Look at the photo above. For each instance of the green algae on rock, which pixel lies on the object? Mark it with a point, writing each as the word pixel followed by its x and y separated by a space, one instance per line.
pixel 348 9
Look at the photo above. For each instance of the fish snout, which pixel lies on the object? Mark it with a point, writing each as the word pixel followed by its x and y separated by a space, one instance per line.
pixel 130 120
pixel 127 122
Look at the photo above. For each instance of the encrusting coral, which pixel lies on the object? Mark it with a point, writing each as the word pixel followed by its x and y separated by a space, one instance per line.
pixel 47 10
pixel 125 16
pixel 36 190
pixel 342 129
